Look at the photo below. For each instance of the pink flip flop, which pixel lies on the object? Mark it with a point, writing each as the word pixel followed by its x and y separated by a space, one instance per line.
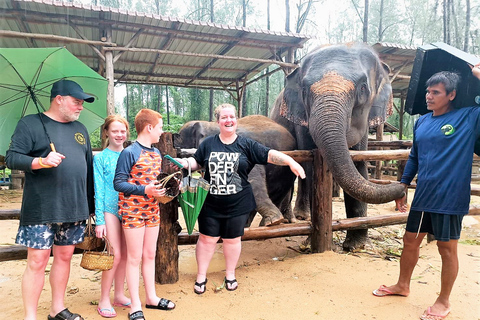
pixel 383 291
pixel 122 305
pixel 428 315
pixel 107 312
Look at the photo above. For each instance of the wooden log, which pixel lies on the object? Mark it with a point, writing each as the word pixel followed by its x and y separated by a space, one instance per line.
pixel 321 205
pixel 475 190
pixel 474 210
pixel 369 222
pixel 19 252
pixel 399 144
pixel 166 259
pixel 297 155
pixel 50 37
pixel 9 214
pixel 14 252
pixel 475 177
pixel 203 55
pixel 379 155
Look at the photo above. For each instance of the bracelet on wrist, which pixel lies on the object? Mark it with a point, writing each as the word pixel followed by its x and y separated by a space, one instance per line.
pixel 41 164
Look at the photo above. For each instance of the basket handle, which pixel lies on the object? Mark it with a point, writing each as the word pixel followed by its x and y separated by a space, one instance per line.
pixel 167 178
pixel 108 249
pixel 89 227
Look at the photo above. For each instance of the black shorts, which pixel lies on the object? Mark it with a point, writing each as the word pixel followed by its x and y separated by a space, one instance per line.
pixel 443 226
pixel 226 228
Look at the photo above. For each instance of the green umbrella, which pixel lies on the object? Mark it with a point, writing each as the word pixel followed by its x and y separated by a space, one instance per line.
pixel 192 196
pixel 27 77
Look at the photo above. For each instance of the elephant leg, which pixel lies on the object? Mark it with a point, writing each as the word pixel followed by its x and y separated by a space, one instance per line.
pixel 356 239
pixel 286 207
pixel 250 218
pixel 271 215
pixel 302 202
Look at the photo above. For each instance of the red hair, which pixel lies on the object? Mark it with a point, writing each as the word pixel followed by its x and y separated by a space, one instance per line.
pixel 145 117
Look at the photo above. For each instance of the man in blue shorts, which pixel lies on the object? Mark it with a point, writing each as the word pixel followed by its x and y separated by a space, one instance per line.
pixel 442 155
pixel 58 193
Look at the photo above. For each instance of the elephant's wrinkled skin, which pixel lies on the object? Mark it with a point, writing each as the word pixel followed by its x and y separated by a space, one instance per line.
pixel 272 185
pixel 328 103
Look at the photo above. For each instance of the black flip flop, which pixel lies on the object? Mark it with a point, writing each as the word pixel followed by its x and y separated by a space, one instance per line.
pixel 201 284
pixel 230 282
pixel 162 305
pixel 65 314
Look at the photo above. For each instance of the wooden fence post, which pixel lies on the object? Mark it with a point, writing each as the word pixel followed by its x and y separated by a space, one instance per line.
pixel 321 205
pixel 166 259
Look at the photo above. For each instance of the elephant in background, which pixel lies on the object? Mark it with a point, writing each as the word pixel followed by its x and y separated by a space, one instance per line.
pixel 272 185
pixel 328 103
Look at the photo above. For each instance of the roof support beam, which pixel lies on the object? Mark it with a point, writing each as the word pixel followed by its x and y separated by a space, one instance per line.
pixel 50 37
pixel 192 54
pixel 80 34
pixel 129 44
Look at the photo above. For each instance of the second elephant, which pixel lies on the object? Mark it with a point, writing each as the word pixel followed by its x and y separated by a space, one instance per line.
pixel 272 185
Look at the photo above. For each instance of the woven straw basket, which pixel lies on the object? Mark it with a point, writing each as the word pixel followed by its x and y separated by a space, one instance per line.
pixel 90 240
pixel 171 183
pixel 98 261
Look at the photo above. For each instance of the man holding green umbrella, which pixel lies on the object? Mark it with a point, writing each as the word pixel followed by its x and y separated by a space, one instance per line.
pixel 54 150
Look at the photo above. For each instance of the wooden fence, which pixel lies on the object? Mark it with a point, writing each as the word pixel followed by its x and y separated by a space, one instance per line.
pixel 320 228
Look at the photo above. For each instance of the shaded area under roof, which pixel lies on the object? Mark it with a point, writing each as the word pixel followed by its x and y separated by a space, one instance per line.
pixel 147 48
pixel 399 59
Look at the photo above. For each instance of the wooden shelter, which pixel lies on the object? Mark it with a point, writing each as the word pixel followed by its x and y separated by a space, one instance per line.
pixel 399 59
pixel 134 47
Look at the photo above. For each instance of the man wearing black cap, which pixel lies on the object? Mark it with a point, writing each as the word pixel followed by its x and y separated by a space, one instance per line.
pixel 58 193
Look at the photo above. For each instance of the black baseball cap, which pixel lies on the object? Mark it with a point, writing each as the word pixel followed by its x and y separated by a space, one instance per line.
pixel 70 88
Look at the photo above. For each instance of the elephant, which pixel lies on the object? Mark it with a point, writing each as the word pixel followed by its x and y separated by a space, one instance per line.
pixel 328 103
pixel 272 185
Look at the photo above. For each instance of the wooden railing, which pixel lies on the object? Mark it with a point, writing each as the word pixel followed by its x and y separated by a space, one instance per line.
pixel 320 228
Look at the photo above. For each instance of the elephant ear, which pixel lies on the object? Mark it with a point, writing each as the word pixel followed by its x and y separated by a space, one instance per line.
pixel 292 107
pixel 198 133
pixel 382 106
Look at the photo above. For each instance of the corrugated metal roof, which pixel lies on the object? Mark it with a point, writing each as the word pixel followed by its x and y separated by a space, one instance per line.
pixel 400 60
pixel 172 36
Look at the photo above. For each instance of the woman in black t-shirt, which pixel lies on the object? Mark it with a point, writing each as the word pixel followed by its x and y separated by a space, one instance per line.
pixel 227 159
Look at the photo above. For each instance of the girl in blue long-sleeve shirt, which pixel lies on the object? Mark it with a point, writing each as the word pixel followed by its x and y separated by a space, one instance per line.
pixel 108 221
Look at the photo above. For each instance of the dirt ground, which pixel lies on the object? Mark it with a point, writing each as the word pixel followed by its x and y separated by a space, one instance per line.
pixel 277 281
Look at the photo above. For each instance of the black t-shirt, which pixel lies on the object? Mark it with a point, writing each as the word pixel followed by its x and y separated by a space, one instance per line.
pixel 226 169
pixel 53 195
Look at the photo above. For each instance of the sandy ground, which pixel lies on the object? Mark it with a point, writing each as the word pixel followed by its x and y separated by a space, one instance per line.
pixel 276 281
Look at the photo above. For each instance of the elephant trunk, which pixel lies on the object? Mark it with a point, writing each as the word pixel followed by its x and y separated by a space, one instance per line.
pixel 328 123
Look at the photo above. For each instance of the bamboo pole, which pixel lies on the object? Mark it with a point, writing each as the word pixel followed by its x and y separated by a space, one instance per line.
pixel 379 155
pixel 15 34
pixel 110 75
pixel 202 55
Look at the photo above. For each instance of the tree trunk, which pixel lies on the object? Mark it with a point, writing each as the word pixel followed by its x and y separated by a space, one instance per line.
pixel 455 24
pixel 244 18
pixel 365 22
pixel 287 15
pixel 380 23
pixel 467 26
pixel 167 104
pixel 446 21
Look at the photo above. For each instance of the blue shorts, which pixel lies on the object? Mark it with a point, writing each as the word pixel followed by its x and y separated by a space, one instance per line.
pixel 226 228
pixel 44 236
pixel 443 226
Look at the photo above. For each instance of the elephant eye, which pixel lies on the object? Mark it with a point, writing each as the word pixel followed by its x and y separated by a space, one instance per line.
pixel 363 89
